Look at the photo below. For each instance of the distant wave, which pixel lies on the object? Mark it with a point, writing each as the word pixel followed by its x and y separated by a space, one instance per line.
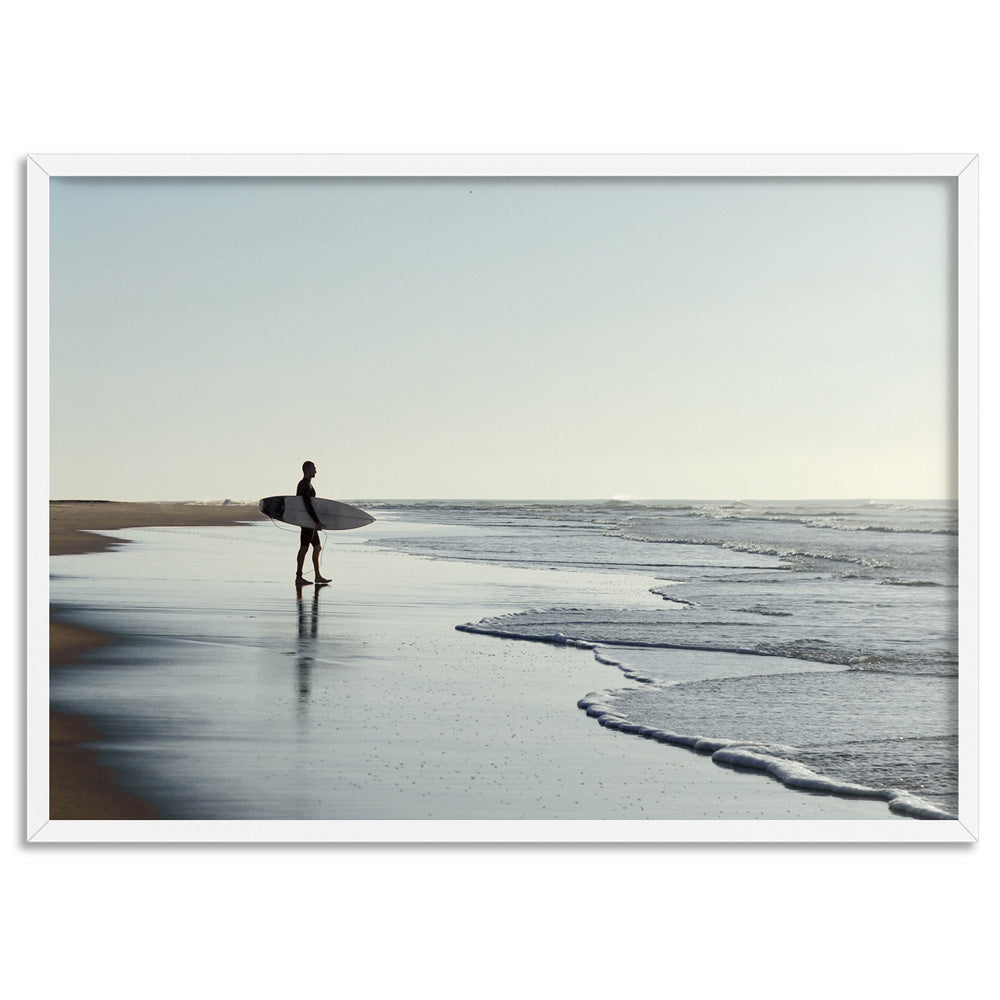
pixel 833 521
pixel 884 528
pixel 751 548
pixel 219 503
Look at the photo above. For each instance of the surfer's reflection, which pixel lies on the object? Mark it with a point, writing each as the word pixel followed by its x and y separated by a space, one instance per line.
pixel 306 655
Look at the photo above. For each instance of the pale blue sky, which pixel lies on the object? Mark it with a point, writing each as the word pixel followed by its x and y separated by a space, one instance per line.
pixel 479 337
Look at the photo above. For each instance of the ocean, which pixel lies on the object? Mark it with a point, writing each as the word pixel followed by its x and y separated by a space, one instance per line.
pixel 816 641
pixel 810 643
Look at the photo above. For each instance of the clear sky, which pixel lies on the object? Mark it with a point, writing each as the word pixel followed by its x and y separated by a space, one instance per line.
pixel 660 338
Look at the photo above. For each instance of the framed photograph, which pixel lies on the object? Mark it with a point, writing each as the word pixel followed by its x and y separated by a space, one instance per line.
pixel 502 498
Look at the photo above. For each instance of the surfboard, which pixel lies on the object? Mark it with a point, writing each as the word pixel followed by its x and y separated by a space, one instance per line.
pixel 333 515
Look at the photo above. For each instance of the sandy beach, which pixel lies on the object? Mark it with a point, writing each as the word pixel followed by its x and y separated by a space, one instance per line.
pixel 395 714
pixel 70 521
pixel 80 787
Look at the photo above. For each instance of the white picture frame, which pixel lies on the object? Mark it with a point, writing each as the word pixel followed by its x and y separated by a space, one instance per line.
pixel 40 169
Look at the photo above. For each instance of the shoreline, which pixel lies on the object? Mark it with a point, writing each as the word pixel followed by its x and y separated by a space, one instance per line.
pixel 71 521
pixel 79 786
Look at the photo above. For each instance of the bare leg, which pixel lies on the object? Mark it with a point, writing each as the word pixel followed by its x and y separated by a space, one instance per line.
pixel 316 549
pixel 299 562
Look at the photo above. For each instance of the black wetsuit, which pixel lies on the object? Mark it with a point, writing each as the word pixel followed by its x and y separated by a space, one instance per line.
pixel 306 491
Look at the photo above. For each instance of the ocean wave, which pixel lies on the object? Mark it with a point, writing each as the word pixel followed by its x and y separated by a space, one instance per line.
pixel 790 554
pixel 775 760
pixel 616 503
pixel 590 628
pixel 670 598
pixel 933 664
pixel 887 529
pixel 922 506
pixel 815 651
pixel 898 521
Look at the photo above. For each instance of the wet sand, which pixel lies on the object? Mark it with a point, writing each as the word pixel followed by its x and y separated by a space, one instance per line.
pixel 80 787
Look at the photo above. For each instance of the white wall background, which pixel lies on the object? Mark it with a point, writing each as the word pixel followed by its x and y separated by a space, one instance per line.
pixel 512 77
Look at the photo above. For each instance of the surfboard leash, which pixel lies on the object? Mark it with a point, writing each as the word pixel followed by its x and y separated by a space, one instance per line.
pixel 281 527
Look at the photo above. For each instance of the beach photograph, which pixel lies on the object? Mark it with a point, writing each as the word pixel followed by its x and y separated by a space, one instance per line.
pixel 473 506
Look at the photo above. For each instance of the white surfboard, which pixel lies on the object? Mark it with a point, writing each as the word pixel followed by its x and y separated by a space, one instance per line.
pixel 333 515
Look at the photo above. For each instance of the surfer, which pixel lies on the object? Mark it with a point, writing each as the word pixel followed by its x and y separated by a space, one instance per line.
pixel 308 536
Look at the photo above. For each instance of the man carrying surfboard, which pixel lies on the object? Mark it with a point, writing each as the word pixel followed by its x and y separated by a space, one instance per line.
pixel 308 536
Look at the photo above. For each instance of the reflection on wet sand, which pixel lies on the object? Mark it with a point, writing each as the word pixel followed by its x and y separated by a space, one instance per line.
pixel 308 620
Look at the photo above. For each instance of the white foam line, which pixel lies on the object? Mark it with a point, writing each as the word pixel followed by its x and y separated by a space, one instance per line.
pixel 733 753
pixel 558 639
pixel 795 775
